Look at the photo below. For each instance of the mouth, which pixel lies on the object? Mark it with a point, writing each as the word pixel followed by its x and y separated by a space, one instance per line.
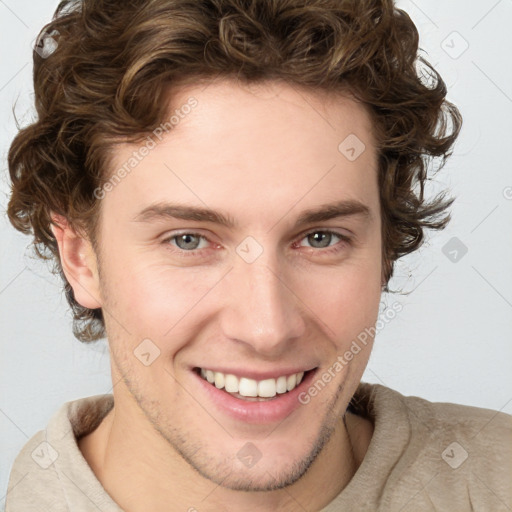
pixel 252 390
pixel 254 397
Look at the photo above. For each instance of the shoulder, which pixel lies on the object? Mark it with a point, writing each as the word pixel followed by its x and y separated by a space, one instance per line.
pixel 481 429
pixel 480 425
pixel 459 457
pixel 33 481
pixel 47 470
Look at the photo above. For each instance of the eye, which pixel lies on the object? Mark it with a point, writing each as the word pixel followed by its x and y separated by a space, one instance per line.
pixel 187 242
pixel 190 243
pixel 324 240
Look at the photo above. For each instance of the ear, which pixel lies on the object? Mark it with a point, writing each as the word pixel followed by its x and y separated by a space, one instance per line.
pixel 78 262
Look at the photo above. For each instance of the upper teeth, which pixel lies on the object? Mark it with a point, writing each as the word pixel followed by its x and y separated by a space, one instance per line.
pixel 249 387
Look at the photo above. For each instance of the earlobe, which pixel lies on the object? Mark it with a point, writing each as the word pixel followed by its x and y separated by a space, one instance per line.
pixel 78 262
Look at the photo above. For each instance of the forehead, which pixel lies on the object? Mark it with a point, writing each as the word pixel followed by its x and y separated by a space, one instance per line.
pixel 227 105
pixel 260 146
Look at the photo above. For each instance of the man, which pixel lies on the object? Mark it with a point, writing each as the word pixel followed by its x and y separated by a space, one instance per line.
pixel 225 186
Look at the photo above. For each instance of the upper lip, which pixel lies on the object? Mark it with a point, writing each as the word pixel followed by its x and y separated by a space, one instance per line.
pixel 258 374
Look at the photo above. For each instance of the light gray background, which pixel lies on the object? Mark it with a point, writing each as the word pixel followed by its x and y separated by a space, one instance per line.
pixel 451 342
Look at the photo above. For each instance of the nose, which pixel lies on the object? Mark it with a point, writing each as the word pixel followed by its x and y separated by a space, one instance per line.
pixel 262 311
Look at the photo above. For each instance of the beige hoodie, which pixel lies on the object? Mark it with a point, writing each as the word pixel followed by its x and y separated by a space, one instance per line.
pixel 423 456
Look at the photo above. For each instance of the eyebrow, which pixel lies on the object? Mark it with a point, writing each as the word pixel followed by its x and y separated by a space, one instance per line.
pixel 164 211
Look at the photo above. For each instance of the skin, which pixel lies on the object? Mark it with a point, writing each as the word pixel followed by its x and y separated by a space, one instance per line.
pixel 260 154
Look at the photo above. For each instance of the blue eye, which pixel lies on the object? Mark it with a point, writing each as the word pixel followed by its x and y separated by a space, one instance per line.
pixel 325 241
pixel 188 243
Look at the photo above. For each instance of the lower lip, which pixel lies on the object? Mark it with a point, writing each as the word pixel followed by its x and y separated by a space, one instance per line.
pixel 268 411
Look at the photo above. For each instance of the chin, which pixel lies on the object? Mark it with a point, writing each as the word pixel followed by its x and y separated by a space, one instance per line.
pixel 262 477
pixel 253 469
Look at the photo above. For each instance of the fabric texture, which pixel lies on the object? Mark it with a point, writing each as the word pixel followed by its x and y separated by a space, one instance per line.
pixel 423 456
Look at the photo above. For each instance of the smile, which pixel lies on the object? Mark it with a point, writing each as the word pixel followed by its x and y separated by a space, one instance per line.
pixel 257 397
pixel 246 388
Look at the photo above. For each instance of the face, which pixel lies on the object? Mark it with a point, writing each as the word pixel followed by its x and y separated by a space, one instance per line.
pixel 263 303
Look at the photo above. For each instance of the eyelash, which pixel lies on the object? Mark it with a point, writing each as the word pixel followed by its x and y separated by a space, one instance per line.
pixel 345 240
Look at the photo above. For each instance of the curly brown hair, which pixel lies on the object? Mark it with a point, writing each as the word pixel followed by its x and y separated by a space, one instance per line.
pixel 109 76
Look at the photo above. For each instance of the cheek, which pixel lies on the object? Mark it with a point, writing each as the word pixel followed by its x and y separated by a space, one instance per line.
pixel 152 298
pixel 346 299
pixel 342 299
